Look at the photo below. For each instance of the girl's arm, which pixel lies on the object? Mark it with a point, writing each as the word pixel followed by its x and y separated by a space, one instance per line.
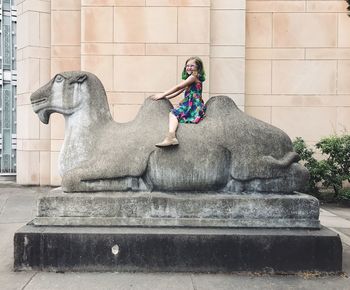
pixel 173 95
pixel 180 87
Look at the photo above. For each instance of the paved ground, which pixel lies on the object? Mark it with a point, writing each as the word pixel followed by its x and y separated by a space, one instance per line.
pixel 18 206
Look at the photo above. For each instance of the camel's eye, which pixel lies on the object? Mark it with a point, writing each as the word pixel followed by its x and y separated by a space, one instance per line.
pixel 59 78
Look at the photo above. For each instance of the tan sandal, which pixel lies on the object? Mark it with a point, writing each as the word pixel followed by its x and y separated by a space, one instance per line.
pixel 170 140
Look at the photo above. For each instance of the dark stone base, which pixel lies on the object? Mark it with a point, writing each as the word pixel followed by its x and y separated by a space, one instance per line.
pixel 176 249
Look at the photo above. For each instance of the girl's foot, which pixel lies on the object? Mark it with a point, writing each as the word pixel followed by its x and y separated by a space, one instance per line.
pixel 169 140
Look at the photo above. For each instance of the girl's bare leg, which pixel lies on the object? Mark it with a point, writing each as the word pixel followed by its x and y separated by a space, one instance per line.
pixel 173 123
pixel 170 139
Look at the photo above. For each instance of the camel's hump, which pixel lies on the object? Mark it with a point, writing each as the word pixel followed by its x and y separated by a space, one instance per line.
pixel 217 105
pixel 220 105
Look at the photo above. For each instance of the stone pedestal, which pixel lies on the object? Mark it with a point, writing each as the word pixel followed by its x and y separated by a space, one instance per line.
pixel 157 209
pixel 125 231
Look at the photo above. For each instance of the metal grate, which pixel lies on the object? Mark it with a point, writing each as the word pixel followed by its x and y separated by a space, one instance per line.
pixel 8 84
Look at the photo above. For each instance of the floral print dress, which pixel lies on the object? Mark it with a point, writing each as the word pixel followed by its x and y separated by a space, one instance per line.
pixel 191 109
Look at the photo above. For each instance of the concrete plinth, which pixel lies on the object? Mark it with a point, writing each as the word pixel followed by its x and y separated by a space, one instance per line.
pixel 157 209
pixel 185 232
pixel 176 249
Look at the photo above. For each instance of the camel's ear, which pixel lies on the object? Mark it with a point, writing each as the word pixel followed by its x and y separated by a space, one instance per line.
pixel 78 79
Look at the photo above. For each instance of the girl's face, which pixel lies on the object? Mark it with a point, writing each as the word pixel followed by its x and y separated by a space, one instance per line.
pixel 191 66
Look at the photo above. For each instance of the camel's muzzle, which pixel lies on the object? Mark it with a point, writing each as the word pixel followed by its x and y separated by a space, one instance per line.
pixel 36 103
pixel 44 115
pixel 40 97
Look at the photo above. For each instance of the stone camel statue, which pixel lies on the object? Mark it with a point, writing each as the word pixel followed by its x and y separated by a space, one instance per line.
pixel 227 152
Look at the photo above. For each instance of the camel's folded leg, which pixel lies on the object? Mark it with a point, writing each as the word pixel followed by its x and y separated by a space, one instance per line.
pixel 282 175
pixel 291 179
pixel 85 179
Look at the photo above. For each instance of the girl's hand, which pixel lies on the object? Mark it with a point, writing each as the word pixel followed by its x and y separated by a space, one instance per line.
pixel 157 97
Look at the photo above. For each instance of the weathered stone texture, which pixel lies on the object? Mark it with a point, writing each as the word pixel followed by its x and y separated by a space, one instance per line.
pixel 228 151
pixel 178 209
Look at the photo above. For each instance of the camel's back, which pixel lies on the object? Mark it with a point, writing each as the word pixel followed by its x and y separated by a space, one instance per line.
pixel 225 138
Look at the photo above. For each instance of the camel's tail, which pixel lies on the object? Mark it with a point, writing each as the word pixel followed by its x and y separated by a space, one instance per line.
pixel 285 161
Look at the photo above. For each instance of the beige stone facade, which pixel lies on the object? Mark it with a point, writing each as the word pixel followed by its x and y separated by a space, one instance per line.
pixel 284 62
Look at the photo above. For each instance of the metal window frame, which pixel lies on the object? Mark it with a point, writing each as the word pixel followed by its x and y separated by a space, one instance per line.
pixel 8 85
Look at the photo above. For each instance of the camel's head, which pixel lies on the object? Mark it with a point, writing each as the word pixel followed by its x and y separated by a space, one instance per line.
pixel 63 94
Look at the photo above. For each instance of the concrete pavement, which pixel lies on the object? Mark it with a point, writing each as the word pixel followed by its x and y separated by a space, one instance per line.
pixel 18 206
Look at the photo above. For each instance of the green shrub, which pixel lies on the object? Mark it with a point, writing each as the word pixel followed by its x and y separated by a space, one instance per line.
pixel 311 163
pixel 333 169
pixel 344 194
pixel 336 166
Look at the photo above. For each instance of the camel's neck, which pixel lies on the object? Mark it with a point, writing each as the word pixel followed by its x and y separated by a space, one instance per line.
pixel 86 119
pixel 82 130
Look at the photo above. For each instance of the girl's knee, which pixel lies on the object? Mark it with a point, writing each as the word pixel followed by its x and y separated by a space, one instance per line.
pixel 173 117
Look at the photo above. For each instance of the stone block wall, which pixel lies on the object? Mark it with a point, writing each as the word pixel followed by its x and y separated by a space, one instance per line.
pixel 284 62
pixel 298 66
pixel 33 65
